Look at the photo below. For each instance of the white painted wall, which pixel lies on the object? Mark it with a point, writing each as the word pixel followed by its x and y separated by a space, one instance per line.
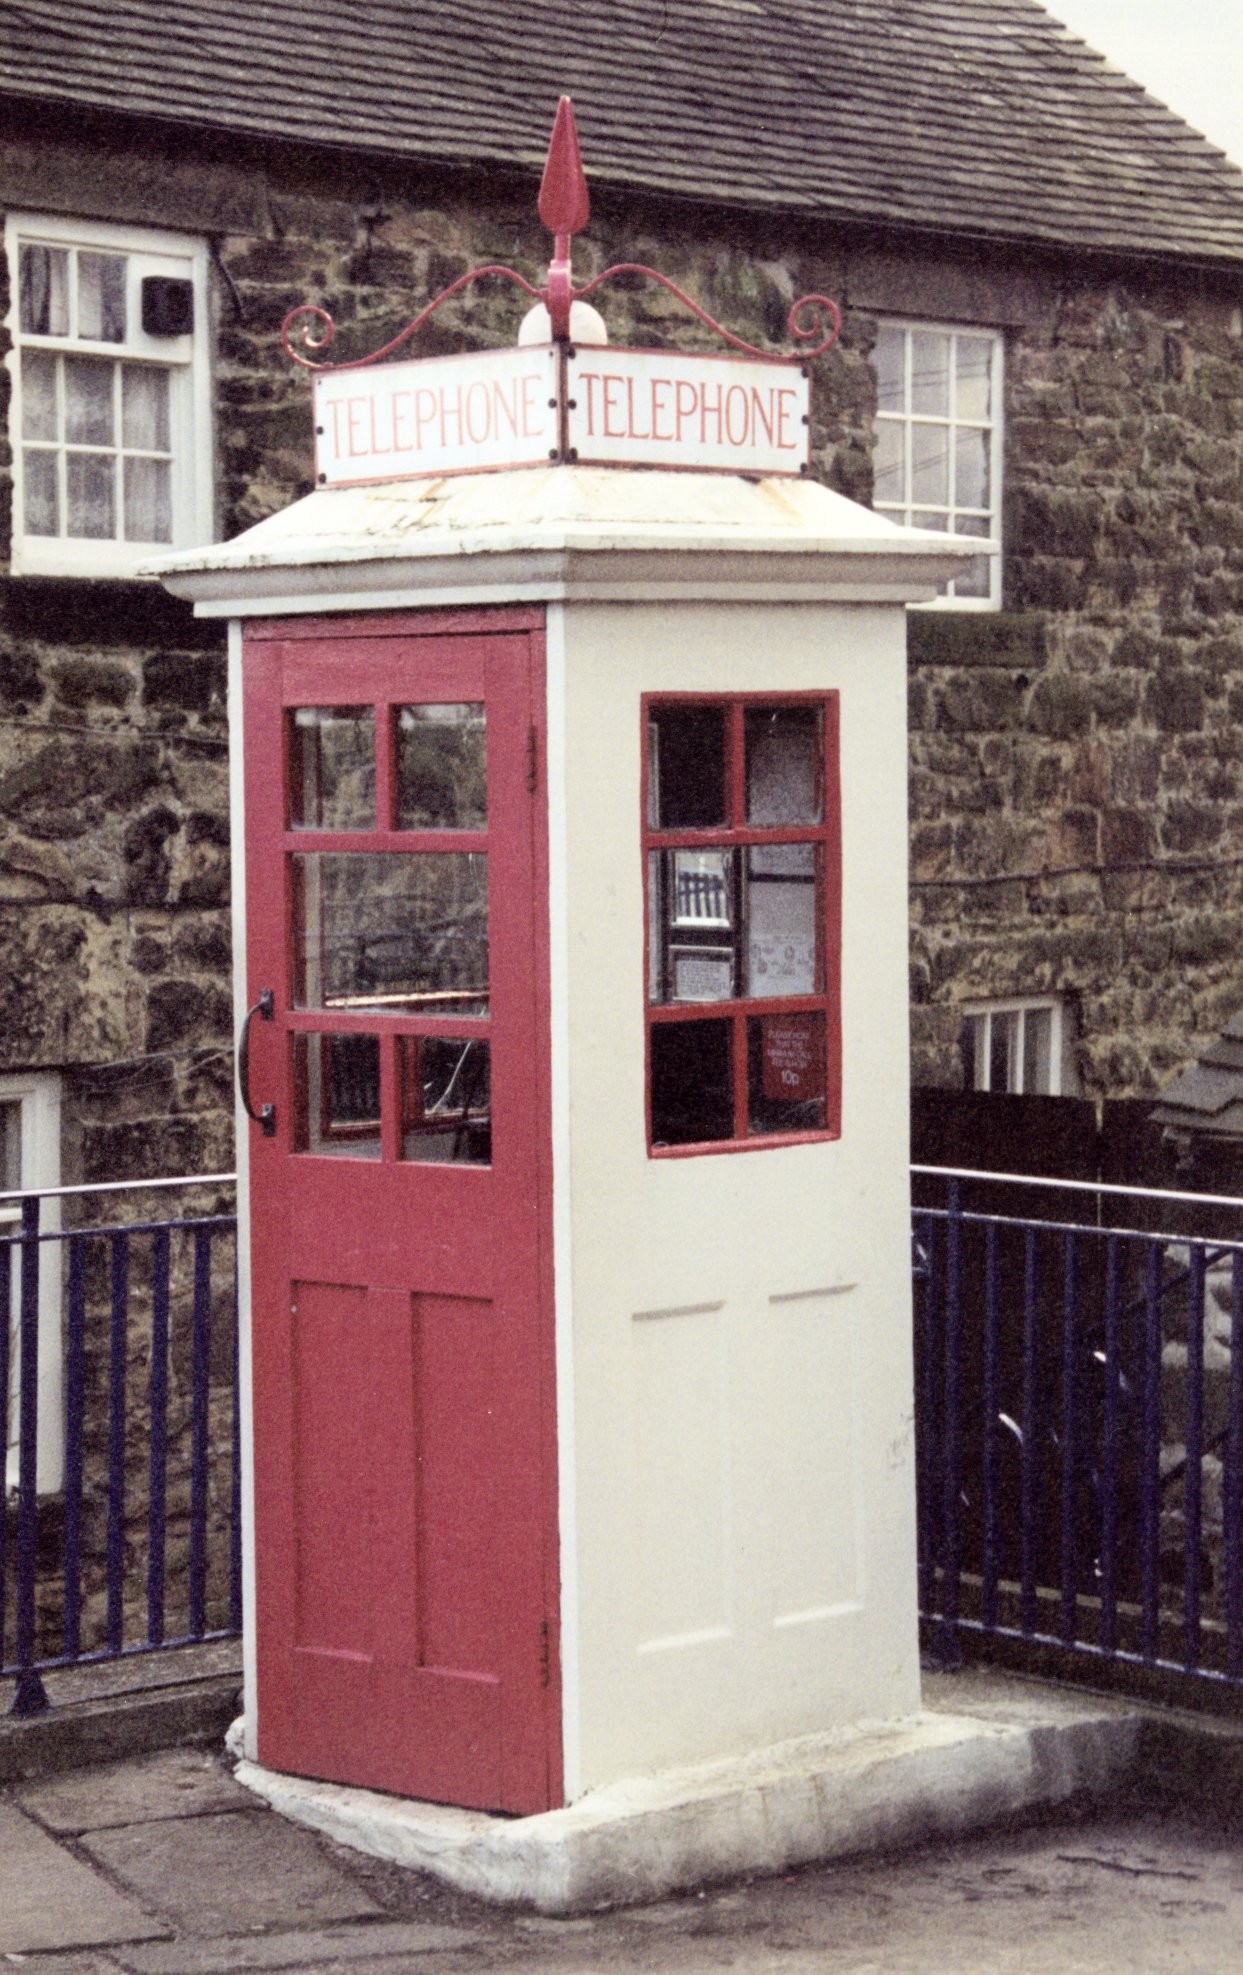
pixel 736 1384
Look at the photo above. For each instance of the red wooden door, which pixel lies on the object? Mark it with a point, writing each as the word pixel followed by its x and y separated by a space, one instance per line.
pixel 402 1351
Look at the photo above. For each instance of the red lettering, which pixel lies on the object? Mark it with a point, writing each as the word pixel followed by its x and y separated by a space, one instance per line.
pixel 612 388
pixel 786 400
pixel 707 411
pixel 530 424
pixel 356 412
pixel 478 398
pixel 376 447
pixel 450 412
pixel 503 408
pixel 337 409
pixel 686 399
pixel 736 397
pixel 401 430
pixel 631 432
pixel 424 413
pixel 760 416
pixel 660 392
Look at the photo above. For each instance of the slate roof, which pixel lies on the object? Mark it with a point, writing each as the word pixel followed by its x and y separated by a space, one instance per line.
pixel 980 116
pixel 1207 1099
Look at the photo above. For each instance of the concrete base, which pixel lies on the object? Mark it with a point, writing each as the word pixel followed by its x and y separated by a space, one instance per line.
pixel 873 1788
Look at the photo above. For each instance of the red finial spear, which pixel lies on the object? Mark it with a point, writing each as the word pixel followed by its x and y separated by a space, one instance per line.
pixel 564 207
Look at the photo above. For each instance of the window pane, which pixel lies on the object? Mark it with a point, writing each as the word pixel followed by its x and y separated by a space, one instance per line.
pixel 442 768
pixel 446 1099
pixel 971 468
pixel 686 767
pixel 974 379
pixel 144 408
pixel 1003 1052
pixel 90 489
pixel 88 401
pixel 968 1043
pixel 889 358
pixel 785 1073
pixel 691 903
pixel 692 1082
pixel 148 500
pixel 930 478
pixel 390 933
pixel 930 372
pixel 783 748
pixel 332 768
pixel 10 1146
pixel 337 1095
pixel 43 278
pixel 889 462
pixel 973 581
pixel 782 893
pixel 1038 1050
pixel 101 297
pixel 40 502
pixel 38 395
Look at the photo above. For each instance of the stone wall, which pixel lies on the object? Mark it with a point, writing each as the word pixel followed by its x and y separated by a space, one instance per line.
pixel 1077 811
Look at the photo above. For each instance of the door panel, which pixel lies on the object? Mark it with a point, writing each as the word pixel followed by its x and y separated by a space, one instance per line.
pixel 404 1451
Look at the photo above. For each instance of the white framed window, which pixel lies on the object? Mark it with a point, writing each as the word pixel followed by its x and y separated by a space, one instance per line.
pixel 937 462
pixel 1020 1047
pixel 111 407
pixel 30 1158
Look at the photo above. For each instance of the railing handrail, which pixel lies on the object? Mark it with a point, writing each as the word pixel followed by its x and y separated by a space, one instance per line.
pixel 118 1186
pixel 1078 1186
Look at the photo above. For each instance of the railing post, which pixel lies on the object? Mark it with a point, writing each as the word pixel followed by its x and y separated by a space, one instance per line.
pixel 1193 1480
pixel 1070 1425
pixel 950 1650
pixel 31 1696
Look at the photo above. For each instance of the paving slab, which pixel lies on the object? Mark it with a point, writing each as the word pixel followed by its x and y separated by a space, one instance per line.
pixel 366 1939
pixel 50 1900
pixel 175 1783
pixel 237 1872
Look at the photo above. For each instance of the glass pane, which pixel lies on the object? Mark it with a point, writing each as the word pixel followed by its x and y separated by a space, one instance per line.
pixel 442 768
pixel 967 1043
pixel 974 580
pixel 90 490
pixel 43 278
pixel 930 464
pixel 101 297
pixel 783 748
pixel 446 1099
pixel 974 379
pixel 148 500
pixel 971 468
pixel 1003 1042
pixel 38 395
pixel 692 1082
pixel 144 408
pixel 782 894
pixel 88 401
pixel 1038 1050
pixel 331 768
pixel 930 372
pixel 691 903
pixel 890 359
pixel 937 519
pixel 10 1146
pixel 391 933
pixel 40 503
pixel 785 1073
pixel 889 461
pixel 686 767
pixel 337 1095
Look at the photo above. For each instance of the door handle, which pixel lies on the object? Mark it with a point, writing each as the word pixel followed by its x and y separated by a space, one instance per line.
pixel 265 1116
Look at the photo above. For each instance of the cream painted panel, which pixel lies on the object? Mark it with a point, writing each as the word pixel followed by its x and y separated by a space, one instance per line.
pixel 818 1520
pixel 681 1477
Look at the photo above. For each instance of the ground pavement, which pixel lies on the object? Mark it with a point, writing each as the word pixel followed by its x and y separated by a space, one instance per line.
pixel 162 1865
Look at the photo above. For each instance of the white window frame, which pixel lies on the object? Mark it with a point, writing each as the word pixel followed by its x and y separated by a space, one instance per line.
pixel 1061 1060
pixel 185 358
pixel 38 1094
pixel 906 512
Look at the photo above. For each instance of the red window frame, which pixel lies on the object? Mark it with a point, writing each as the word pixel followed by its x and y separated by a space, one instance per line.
pixel 736 833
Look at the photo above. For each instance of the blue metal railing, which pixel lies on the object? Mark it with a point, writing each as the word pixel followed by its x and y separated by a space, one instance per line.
pixel 1080 1422
pixel 78 1564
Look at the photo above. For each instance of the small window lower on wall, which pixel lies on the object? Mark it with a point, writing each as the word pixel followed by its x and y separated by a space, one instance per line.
pixel 1017 1047
pixel 742 869
pixel 30 1159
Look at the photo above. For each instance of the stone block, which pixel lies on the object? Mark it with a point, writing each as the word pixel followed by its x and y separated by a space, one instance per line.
pixel 1060 705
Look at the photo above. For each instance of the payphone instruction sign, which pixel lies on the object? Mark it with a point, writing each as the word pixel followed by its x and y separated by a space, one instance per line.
pixel 494 409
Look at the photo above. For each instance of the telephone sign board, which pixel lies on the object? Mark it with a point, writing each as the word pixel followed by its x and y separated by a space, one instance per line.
pixel 468 414
pixel 527 407
pixel 664 408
